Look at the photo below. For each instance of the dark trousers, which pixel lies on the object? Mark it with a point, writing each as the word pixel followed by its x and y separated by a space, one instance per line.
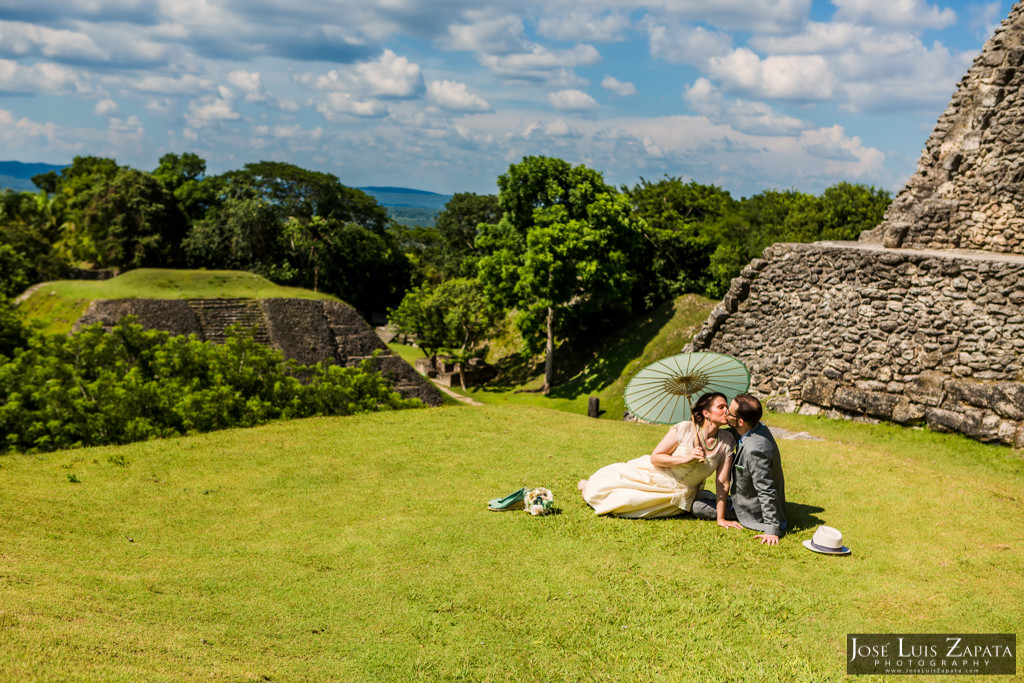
pixel 704 507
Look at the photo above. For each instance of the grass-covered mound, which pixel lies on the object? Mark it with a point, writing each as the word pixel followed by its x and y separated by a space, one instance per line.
pixel 593 365
pixel 360 549
pixel 57 305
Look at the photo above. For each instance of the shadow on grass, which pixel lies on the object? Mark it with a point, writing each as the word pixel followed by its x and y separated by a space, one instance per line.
pixel 582 368
pixel 802 516
pixel 589 370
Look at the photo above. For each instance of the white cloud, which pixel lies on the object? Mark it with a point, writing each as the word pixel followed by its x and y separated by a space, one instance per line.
pixel 581 24
pixel 684 44
pixel 765 16
pixel 387 76
pixel 756 118
pixel 833 145
pixel 248 82
pixel 540 63
pixel 16 132
pixel 491 35
pixel 625 89
pixel 186 84
pixel 916 14
pixel 572 100
pixel 289 132
pixel 789 77
pixel 454 96
pixel 52 79
pixel 558 128
pixel 210 111
pixel 23 39
pixel 816 38
pixel 130 126
pixel 106 108
pixel 343 103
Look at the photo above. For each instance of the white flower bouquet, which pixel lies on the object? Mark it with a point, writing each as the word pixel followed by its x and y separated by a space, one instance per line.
pixel 539 501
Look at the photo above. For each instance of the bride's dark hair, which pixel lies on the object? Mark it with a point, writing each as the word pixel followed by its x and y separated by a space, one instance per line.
pixel 704 403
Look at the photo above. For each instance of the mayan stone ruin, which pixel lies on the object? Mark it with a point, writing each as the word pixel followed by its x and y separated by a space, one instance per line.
pixel 309 331
pixel 921 322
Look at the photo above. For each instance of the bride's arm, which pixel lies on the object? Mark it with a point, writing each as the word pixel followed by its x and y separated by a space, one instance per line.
pixel 662 455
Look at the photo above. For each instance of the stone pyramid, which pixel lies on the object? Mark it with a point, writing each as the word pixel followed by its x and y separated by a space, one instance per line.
pixel 922 320
pixel 968 191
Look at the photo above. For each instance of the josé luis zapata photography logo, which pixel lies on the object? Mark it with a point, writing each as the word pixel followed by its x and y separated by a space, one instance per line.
pixel 939 654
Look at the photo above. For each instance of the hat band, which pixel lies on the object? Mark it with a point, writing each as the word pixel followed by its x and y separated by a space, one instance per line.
pixel 825 549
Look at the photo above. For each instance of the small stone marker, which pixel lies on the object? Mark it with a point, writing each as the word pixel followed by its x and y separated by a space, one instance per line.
pixel 593 406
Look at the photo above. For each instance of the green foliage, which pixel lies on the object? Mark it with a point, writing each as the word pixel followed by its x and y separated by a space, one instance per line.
pixel 453 315
pixel 842 212
pixel 561 251
pixel 302 194
pixel 458 226
pixel 116 216
pixel 182 175
pixel 677 221
pixel 33 224
pixel 14 271
pixel 130 384
pixel 302 228
pixel 13 331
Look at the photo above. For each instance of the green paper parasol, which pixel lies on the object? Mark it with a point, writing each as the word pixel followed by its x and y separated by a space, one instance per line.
pixel 665 390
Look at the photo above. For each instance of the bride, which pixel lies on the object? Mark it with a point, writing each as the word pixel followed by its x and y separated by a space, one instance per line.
pixel 665 483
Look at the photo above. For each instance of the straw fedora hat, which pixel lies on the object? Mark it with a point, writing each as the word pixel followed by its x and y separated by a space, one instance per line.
pixel 828 541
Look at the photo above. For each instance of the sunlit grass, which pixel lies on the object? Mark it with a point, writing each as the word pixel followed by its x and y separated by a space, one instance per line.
pixel 360 549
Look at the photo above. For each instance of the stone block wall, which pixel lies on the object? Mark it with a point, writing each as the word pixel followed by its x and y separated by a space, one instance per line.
pixel 912 336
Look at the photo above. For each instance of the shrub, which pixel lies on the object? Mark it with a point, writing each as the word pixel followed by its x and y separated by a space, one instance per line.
pixel 93 388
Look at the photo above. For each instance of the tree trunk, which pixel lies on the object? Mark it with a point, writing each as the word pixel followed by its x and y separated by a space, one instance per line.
pixel 549 355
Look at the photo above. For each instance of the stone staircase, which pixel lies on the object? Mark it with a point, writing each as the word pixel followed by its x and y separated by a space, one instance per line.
pixel 217 315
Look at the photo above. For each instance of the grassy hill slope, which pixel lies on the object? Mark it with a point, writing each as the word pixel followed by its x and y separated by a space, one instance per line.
pixel 57 305
pixel 360 549
pixel 586 368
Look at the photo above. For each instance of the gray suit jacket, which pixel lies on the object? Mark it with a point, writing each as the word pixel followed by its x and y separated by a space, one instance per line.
pixel 758 487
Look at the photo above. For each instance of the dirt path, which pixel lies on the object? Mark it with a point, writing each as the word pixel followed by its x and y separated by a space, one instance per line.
pixel 458 397
pixel 28 292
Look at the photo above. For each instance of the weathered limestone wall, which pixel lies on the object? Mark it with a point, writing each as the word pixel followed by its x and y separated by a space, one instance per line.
pixel 912 336
pixel 968 191
pixel 306 330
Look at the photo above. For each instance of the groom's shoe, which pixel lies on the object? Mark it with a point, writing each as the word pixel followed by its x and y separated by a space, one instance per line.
pixel 513 501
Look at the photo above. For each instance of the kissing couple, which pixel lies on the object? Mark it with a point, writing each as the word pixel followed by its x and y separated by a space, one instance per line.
pixel 722 437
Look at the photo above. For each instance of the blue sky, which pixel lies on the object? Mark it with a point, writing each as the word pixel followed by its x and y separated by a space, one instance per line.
pixel 443 95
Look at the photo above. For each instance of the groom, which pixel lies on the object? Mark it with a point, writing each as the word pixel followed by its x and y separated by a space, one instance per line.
pixel 758 499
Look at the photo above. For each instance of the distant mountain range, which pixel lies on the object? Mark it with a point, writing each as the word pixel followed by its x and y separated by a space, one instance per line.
pixel 18 175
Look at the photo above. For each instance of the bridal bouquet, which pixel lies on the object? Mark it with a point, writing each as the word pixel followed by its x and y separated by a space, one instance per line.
pixel 539 501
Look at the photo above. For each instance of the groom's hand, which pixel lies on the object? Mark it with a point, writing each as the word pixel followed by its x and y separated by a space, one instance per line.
pixel 770 539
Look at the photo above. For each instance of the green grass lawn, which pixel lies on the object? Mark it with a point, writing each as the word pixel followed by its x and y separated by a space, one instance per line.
pixel 57 305
pixel 360 549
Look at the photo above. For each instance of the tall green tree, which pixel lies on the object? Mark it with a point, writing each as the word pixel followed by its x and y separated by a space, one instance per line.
pixel 561 247
pixel 458 226
pixel 453 315
pixel 678 223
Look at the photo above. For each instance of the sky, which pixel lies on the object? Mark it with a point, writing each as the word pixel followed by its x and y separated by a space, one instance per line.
pixel 443 95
